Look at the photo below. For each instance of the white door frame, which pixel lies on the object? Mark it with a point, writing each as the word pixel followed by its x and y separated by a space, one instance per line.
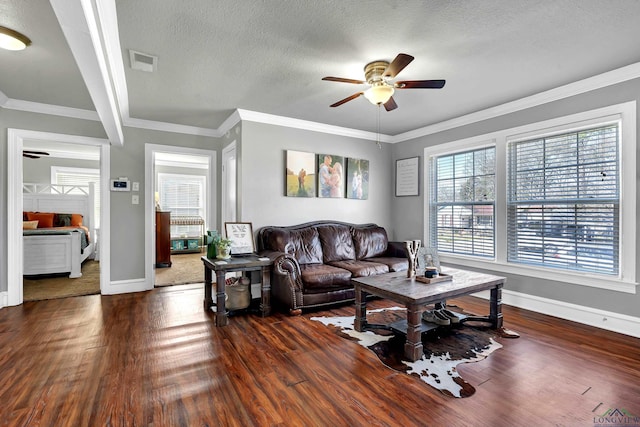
pixel 15 255
pixel 150 151
pixel 227 152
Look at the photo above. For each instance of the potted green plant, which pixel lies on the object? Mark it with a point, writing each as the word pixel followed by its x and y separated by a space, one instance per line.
pixel 211 239
pixel 223 247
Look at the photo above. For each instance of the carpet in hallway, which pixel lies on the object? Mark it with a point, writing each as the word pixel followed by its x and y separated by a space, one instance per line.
pixel 36 288
pixel 185 268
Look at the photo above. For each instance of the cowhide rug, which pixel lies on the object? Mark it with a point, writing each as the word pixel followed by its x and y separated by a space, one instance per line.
pixel 444 348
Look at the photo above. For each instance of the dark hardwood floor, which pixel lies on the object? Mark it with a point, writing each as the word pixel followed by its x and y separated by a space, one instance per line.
pixel 156 359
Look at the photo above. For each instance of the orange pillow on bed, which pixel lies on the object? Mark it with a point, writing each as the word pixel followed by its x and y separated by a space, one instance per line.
pixel 76 220
pixel 45 220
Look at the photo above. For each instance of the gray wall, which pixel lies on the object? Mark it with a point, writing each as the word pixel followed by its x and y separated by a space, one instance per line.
pixel 128 220
pixel 405 221
pixel 38 171
pixel 38 122
pixel 262 177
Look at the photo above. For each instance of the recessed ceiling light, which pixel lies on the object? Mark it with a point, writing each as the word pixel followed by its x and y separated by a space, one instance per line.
pixel 13 40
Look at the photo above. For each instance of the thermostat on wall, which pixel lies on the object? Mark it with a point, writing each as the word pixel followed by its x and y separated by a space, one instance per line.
pixel 120 184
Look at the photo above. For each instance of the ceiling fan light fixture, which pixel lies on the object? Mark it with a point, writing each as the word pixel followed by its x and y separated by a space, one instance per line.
pixel 379 94
pixel 13 40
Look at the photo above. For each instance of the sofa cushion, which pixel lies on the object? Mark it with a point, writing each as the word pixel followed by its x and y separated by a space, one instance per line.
pixel 394 264
pixel 369 242
pixel 322 277
pixel 337 243
pixel 361 268
pixel 303 244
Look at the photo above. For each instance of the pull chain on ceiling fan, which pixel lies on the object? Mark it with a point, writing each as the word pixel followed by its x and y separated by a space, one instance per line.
pixel 379 76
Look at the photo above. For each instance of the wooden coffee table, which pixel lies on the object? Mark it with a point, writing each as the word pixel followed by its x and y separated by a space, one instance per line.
pixel 416 295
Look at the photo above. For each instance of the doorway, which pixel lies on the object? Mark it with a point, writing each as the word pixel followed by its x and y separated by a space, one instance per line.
pixel 65 178
pixel 181 181
pixel 17 140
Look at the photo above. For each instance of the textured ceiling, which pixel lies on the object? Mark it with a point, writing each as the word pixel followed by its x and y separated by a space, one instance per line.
pixel 270 56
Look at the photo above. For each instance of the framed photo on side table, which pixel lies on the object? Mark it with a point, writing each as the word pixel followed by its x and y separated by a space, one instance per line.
pixel 241 236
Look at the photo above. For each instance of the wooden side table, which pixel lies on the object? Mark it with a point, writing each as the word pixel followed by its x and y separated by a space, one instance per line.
pixel 248 263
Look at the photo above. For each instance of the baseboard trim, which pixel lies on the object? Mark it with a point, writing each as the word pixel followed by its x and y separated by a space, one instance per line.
pixel 608 320
pixel 127 286
pixel 4 299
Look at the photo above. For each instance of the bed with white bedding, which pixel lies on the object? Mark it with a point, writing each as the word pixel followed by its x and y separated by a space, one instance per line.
pixel 64 247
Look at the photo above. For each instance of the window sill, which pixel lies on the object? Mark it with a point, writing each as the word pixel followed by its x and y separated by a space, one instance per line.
pixel 584 279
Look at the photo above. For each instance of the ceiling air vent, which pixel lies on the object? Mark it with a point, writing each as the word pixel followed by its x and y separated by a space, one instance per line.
pixel 142 61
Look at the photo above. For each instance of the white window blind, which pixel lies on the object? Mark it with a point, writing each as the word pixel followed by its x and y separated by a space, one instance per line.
pixel 563 201
pixel 462 202
pixel 183 195
pixel 79 177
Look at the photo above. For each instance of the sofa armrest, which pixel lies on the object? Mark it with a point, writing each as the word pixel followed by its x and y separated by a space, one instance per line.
pixel 396 250
pixel 286 282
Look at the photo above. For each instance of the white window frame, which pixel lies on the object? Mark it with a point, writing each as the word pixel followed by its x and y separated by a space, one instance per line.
pixel 430 197
pixel 625 113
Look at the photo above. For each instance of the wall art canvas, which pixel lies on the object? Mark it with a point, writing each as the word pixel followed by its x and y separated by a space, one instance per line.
pixel 331 180
pixel 357 179
pixel 300 174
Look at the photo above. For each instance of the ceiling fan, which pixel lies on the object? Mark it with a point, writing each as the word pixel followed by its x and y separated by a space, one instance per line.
pixel 33 154
pixel 379 76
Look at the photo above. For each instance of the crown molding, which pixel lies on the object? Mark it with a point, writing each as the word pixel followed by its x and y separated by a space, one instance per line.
pixel 61 154
pixel 3 99
pixel 177 164
pixel 619 75
pixel 170 127
pixel 54 110
pixel 253 116
pixel 229 123
pixel 599 81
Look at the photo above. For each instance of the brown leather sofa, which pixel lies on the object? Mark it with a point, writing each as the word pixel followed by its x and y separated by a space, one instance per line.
pixel 313 263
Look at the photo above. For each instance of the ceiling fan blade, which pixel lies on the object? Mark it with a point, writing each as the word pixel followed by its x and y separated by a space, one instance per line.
pixel 30 156
pixel 398 64
pixel 420 84
pixel 342 80
pixel 347 99
pixel 40 153
pixel 390 104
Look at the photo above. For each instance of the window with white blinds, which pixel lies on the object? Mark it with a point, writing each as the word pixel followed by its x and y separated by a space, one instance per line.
pixel 463 202
pixel 564 199
pixel 182 195
pixel 79 177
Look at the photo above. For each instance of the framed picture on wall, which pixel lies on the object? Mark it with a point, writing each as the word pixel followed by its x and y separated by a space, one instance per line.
pixel 330 176
pixel 407 182
pixel 357 179
pixel 241 236
pixel 300 174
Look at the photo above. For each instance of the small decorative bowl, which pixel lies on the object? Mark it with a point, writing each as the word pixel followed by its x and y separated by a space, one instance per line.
pixel 430 272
